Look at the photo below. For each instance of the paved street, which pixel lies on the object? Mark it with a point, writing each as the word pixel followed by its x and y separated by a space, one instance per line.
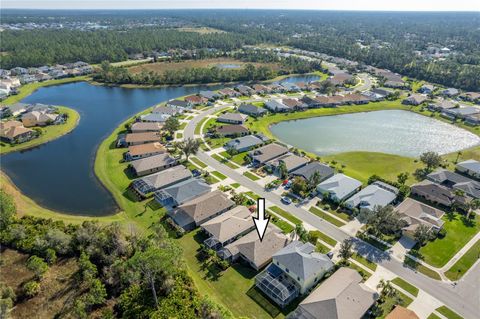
pixel 453 297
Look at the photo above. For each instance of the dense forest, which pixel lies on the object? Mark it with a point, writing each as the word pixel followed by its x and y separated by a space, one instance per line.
pixel 385 39
pixel 118 275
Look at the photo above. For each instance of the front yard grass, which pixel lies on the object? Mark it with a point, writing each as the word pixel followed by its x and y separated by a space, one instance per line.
pixel 447 312
pixel 235 185
pixel 365 262
pixel 390 302
pixel 199 126
pixel 218 175
pixel 198 162
pixel 464 263
pixel 224 161
pixel 326 217
pixel 237 158
pixel 406 286
pixel 459 231
pixel 325 238
pixel 286 215
pixel 229 287
pixel 251 176
pixel 409 262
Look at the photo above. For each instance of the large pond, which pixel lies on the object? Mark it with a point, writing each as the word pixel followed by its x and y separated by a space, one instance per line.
pixel 59 175
pixel 395 132
pixel 300 78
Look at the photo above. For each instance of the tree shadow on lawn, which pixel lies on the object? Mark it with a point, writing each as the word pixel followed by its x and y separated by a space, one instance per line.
pixel 370 252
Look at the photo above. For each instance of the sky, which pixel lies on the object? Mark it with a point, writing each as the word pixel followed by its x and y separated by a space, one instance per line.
pixel 384 5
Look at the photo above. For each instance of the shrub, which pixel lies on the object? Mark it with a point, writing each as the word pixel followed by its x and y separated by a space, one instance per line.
pixel 31 288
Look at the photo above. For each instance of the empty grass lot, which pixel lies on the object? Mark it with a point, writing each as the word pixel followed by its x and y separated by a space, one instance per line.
pixel 464 263
pixel 285 215
pixel 252 176
pixel 326 217
pixel 438 252
pixel 447 312
pixel 406 286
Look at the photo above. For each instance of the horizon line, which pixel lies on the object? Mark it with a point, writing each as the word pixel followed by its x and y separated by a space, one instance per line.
pixel 239 8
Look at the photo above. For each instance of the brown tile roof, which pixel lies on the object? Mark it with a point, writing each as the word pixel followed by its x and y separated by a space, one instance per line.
pixel 401 313
pixel 230 224
pixel 12 129
pixel 195 99
pixel 142 137
pixel 136 150
pixel 146 126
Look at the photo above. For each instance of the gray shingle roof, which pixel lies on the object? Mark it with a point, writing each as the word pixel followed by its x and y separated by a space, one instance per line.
pixel 184 191
pixel 308 170
pixel 244 142
pixel 471 165
pixel 230 224
pixel 370 197
pixel 339 185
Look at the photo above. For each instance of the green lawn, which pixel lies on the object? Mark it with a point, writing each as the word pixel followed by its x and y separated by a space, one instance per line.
pixel 321 248
pixel 365 262
pixel 464 263
pixel 48 133
pixel 327 239
pixel 447 312
pixel 438 252
pixel 182 126
pixel 229 287
pixel 210 179
pixel 179 135
pixel 251 176
pixel 237 158
pixel 406 286
pixel 286 227
pixel 326 217
pixel 409 262
pixel 224 161
pixel 235 185
pixel 285 215
pixel 433 316
pixel 365 274
pixel 391 302
pixel 217 142
pixel 372 241
pixel 199 126
pixel 252 195
pixel 198 162
pixel 211 122
pixel 219 175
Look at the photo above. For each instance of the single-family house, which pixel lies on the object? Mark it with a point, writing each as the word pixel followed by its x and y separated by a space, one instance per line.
pixel 461 112
pixel 289 87
pixel 143 127
pixel 415 213
pixel 400 312
pixel 383 92
pixel 17 108
pixel 244 90
pixel 447 178
pixel 470 96
pixel 182 192
pixel 195 100
pixel 473 119
pixel 261 89
pixel 377 194
pixel 209 95
pixel 149 184
pixel 233 130
pixel 415 99
pixel 144 150
pixel 252 110
pixel 267 153
pixel 339 187
pixel 309 170
pixel 37 118
pixel 470 188
pixel 470 167
pixel 257 253
pixel 291 162
pixel 200 210
pixel 228 227
pixel 171 111
pixel 233 118
pixel 142 138
pixel 450 92
pixel 154 117
pixel 15 132
pixel 426 89
pixel 294 104
pixel 245 143
pixel 294 270
pixel 341 296
pixel 228 92
pixel 437 194
pixel 178 104
pixel 441 105
pixel 341 78
pixel 277 106
pixel 152 164
pixel 309 101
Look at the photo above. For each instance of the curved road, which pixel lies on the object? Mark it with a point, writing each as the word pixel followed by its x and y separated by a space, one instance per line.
pixel 465 303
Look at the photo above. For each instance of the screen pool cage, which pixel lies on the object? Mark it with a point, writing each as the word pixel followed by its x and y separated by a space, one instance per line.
pixel 277 285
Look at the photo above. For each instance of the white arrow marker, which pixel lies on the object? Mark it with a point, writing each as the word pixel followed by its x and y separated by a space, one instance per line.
pixel 261 222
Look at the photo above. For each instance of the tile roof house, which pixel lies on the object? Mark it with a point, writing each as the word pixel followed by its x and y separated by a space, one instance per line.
pixel 182 192
pixel 341 296
pixel 142 127
pixel 152 164
pixel 36 118
pixel 14 131
pixel 144 150
pixel 179 104
pixel 461 112
pixel 245 143
pixel 142 138
pixel 339 187
pixel 167 110
pixel 195 100
pixel 201 209
pixel 470 188
pixel 470 96
pixel 416 213
pixel 227 92
pixel 377 194
pixel 441 105
pixel 426 89
pixel 231 130
pixel 447 178
pixel 309 170
pixel 291 161
pixel 252 110
pixel 415 99
pixel 17 108
pixel 151 183
pixel 228 227
pixel 261 89
pixel 244 90
pixel 437 194
pixel 154 117
pixel 234 118
pixel 450 92
pixel 267 153
pixel 276 106
pixel 257 253
pixel 209 95
pixel 294 103
pixel 470 167
pixel 294 270
pixel 400 312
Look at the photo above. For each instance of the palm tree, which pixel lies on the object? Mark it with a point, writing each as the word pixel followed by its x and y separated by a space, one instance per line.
pixel 472 206
pixel 314 180
pixel 282 168
pixel 387 290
